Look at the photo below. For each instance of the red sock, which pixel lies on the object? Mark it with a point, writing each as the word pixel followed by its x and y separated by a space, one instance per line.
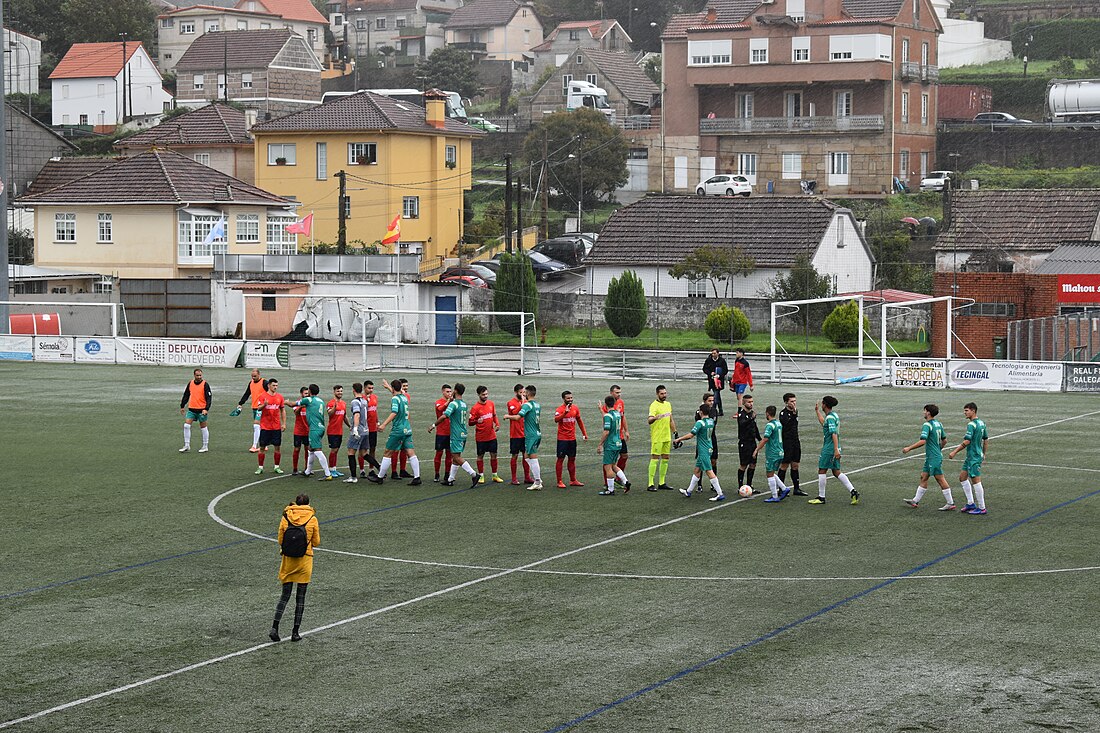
pixel 450 457
pixel 296 452
pixel 622 463
pixel 513 468
pixel 278 457
pixel 261 458
pixel 557 468
pixel 526 470
pixel 438 460
pixel 481 465
pixel 493 465
pixel 404 460
pixel 361 460
pixel 572 469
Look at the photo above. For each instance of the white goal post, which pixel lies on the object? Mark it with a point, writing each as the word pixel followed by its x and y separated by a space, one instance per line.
pixel 75 318
pixel 796 306
pixel 951 336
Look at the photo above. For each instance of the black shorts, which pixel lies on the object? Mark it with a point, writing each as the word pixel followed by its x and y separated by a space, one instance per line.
pixel 487 446
pixel 442 442
pixel 271 437
pixel 567 449
pixel 744 452
pixel 623 451
pixel 792 453
pixel 301 441
pixel 372 441
pixel 517 445
pixel 335 441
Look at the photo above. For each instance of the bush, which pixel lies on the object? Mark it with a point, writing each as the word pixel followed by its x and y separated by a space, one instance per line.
pixel 515 290
pixel 727 325
pixel 625 308
pixel 842 325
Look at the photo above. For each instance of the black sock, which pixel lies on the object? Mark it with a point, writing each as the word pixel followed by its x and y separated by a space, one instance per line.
pixel 782 474
pixel 740 477
pixel 352 466
pixel 749 474
pixel 794 478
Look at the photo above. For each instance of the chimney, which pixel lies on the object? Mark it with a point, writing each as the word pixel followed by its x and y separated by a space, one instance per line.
pixel 250 116
pixel 435 104
pixel 712 15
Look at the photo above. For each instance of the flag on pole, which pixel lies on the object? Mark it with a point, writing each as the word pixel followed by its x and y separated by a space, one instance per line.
pixel 393 234
pixel 216 232
pixel 304 226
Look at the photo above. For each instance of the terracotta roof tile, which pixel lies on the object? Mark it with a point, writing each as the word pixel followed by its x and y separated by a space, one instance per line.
pixel 302 10
pixel 664 229
pixel 625 74
pixel 252 49
pixel 156 176
pixel 362 111
pixel 60 171
pixel 214 124
pixel 1021 219
pixel 93 60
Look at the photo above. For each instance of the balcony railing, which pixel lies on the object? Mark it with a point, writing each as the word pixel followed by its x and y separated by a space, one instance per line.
pixel 639 122
pixel 769 125
pixel 468 46
pixel 930 73
pixel 304 263
pixel 412 31
pixel 912 71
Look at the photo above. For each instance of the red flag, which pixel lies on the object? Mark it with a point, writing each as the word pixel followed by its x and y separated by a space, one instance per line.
pixel 393 234
pixel 305 226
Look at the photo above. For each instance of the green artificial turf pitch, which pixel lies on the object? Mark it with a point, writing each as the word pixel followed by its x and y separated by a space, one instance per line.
pixel 529 611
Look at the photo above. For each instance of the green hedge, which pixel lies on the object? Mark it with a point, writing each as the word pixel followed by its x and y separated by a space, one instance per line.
pixel 1077 38
pixel 991 176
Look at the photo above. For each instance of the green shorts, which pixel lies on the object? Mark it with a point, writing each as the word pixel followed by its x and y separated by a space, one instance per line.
pixel 972 468
pixel 702 462
pixel 531 445
pixel 196 415
pixel 316 439
pixel 660 449
pixel 399 441
pixel 257 413
pixel 772 465
pixel 933 469
pixel 826 461
pixel 610 455
pixel 458 444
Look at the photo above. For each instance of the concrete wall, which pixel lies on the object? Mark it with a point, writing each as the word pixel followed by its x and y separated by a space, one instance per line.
pixel 1038 146
pixel 30 146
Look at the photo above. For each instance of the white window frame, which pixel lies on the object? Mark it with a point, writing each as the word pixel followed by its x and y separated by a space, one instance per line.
pixel 745 105
pixel 246 80
pixel 903 165
pixel 905 107
pixel 843 101
pixel 242 25
pixel 758 50
pixel 400 23
pixel 591 79
pixel 924 109
pixel 840 168
pixel 710 53
pixel 248 228
pixel 792 166
pixel 193 249
pixel 924 164
pixel 566 80
pixel 279 240
pixel 697 288
pixel 211 26
pixel 363 150
pixel 322 161
pixel 64 227
pixel 379 24
pixel 198 81
pixel 747 166
pixel 904 49
pixel 410 207
pixel 796 10
pixel 450 155
pixel 924 51
pixel 104 228
pixel 203 158
pixel 103 287
pixel 800 49
pixel 289 151
pixel 187 27
pixel 82 119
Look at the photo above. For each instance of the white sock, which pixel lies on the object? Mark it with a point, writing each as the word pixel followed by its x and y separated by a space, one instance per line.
pixel 919 495
pixel 309 462
pixel 611 484
pixel 621 476
pixel 947 496
pixel 536 469
pixel 468 469
pixel 821 485
pixel 415 463
pixel 384 467
pixel 717 486
pixel 256 435
pixel 205 436
pixel 843 479
pixel 323 461
pixel 186 435
pixel 693 484
pixel 979 494
pixel 772 481
pixel 452 473
pixel 968 491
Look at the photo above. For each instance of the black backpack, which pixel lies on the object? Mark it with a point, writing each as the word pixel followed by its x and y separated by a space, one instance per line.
pixel 295 540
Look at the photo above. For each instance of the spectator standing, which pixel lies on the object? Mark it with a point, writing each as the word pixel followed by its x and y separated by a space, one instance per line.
pixel 717 371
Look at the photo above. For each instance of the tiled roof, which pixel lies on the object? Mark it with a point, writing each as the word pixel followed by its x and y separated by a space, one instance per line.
pixel 621 70
pixel 1021 219
pixel 219 9
pixel 362 111
pixel 156 176
pixel 93 60
pixel 733 12
pixel 484 14
pixel 214 124
pixel 664 229
pixel 254 49
pixel 14 110
pixel 873 8
pixel 302 10
pixel 1072 258
pixel 595 28
pixel 678 25
pixel 60 171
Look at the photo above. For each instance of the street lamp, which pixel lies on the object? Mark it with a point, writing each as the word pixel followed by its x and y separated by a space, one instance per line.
pixel 580 188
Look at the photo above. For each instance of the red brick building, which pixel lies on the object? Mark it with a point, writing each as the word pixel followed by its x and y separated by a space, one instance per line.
pixel 1000 298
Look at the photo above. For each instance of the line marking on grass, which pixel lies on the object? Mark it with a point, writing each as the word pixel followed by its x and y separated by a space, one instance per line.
pixel 811 616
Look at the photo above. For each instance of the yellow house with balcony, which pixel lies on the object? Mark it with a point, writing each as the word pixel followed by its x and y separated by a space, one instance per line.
pixel 396 158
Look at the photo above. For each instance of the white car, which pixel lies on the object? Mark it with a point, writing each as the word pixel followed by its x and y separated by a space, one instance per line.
pixel 724 185
pixel 935 181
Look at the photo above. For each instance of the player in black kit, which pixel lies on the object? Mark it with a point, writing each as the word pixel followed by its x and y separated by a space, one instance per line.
pixel 748 437
pixel 792 448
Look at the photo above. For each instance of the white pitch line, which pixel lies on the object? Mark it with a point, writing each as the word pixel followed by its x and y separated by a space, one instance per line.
pixel 418 599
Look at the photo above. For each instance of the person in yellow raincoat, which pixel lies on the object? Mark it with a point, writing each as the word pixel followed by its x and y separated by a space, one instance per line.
pixel 296 569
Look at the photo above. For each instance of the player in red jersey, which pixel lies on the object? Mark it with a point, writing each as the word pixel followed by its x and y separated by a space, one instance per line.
pixel 337 411
pixel 616 392
pixel 301 427
pixel 442 430
pixel 516 443
pixel 272 424
pixel 483 416
pixel 568 417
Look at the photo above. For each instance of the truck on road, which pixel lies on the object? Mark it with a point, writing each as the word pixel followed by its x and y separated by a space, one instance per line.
pixel 1073 100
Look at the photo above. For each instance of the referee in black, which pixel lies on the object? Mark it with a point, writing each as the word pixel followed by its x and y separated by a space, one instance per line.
pixel 748 437
pixel 792 448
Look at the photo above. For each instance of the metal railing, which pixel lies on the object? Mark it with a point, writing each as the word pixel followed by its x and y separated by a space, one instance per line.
pixel 639 122
pixel 768 125
pixel 304 263
pixel 912 71
pixel 1071 337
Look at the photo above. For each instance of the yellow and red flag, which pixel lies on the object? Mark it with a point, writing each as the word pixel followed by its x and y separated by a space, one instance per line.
pixel 393 233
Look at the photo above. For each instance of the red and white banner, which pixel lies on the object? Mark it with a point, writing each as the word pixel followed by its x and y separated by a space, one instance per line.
pixel 1079 288
pixel 305 226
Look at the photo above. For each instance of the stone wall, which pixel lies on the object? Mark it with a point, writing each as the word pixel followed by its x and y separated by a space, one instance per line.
pixel 1000 17
pixel 1036 146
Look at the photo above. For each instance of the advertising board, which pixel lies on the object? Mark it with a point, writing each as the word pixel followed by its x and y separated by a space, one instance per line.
pixel 266 354
pixel 178 352
pixel 16 348
pixel 1023 376
pixel 94 350
pixel 53 348
pixel 928 373
pixel 1083 377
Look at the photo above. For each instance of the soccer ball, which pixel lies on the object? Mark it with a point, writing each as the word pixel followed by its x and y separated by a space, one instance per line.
pixel 745 491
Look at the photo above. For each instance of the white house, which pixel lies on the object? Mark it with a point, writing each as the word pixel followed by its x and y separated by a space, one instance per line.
pixel 22 62
pixel 654 234
pixel 93 86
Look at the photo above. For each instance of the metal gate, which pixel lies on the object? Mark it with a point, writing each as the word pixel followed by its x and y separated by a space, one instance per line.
pixel 167 308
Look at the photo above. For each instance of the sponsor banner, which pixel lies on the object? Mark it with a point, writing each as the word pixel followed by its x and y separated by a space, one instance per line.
pixel 95 350
pixel 53 348
pixel 1082 377
pixel 1079 288
pixel 1022 376
pixel 17 348
pixel 178 352
pixel 930 373
pixel 266 354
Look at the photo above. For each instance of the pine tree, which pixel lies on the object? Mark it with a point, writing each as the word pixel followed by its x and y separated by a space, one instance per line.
pixel 625 308
pixel 515 290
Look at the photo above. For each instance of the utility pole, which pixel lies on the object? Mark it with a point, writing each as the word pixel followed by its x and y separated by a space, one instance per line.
pixel 544 192
pixel 508 203
pixel 342 214
pixel 5 292
pixel 125 80
pixel 225 67
pixel 519 215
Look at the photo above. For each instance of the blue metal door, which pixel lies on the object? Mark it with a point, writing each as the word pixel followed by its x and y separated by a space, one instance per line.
pixel 446 327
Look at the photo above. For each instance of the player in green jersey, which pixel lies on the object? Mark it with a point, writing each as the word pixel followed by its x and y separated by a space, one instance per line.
pixel 610 446
pixel 702 431
pixel 829 460
pixel 457 414
pixel 772 444
pixel 400 439
pixel 532 435
pixel 933 438
pixel 975 443
pixel 315 418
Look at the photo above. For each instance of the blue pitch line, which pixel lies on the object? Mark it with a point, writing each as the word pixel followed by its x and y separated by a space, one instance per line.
pixel 816 614
pixel 189 553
